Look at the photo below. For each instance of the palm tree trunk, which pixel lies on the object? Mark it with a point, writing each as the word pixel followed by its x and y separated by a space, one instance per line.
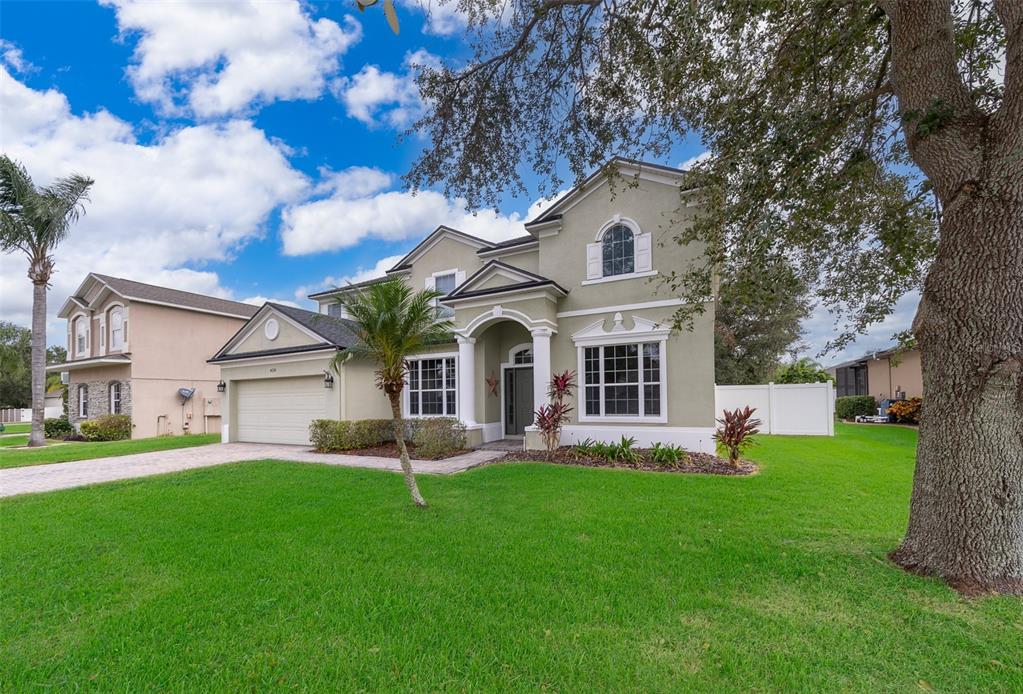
pixel 406 464
pixel 37 438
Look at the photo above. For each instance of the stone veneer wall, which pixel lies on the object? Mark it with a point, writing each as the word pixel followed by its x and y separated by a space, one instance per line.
pixel 99 399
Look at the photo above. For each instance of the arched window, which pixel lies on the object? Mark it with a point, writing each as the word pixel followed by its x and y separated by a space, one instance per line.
pixel 618 251
pixel 115 398
pixel 523 356
pixel 81 336
pixel 117 328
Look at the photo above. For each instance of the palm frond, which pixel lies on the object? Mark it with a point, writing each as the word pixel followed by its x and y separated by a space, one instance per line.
pixel 392 321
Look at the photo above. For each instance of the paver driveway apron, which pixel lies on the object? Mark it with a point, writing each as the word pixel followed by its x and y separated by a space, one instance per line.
pixel 45 478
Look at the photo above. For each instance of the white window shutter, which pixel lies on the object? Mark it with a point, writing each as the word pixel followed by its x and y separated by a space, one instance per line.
pixel 594 260
pixel 431 283
pixel 459 278
pixel 643 252
pixel 102 334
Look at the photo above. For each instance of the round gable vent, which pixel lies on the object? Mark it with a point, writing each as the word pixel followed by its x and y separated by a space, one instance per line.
pixel 271 329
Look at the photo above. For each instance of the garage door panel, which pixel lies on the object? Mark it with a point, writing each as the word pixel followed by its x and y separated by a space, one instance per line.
pixel 279 410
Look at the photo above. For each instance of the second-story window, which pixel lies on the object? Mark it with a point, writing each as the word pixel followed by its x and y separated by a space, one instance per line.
pixel 81 336
pixel 117 329
pixel 445 284
pixel 618 251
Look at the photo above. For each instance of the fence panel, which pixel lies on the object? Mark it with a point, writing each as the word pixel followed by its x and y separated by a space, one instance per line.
pixel 800 408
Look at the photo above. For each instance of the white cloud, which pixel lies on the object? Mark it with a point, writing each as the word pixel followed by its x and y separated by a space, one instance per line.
pixel 196 194
pixel 361 274
pixel 220 58
pixel 442 18
pixel 693 161
pixel 819 328
pixel 12 56
pixel 259 300
pixel 375 97
pixel 349 216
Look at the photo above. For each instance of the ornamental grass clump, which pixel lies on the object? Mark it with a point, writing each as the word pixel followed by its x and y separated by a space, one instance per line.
pixel 736 431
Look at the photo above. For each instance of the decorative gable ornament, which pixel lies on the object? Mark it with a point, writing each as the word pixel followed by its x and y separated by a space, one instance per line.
pixel 642 330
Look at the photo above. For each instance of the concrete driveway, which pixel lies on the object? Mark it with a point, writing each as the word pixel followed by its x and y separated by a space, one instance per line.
pixel 45 478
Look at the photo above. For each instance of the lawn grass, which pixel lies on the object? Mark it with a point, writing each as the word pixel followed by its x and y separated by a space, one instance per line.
pixel 17 428
pixel 19 440
pixel 84 450
pixel 276 576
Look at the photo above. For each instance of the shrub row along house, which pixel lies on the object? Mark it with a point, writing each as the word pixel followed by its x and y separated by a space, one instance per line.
pixel 578 291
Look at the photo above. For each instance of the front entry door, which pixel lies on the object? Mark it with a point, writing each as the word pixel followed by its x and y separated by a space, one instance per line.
pixel 518 400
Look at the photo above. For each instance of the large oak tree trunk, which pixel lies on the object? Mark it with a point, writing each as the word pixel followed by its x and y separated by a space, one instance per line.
pixel 37 437
pixel 406 464
pixel 966 514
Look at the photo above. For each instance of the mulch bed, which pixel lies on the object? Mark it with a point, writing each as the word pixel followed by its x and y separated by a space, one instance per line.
pixel 695 463
pixel 390 450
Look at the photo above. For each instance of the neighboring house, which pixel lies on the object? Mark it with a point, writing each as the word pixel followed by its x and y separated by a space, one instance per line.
pixel 577 292
pixel 890 374
pixel 133 346
pixel 53 404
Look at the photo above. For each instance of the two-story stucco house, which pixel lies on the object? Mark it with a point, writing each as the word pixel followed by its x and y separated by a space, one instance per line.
pixel 576 292
pixel 133 346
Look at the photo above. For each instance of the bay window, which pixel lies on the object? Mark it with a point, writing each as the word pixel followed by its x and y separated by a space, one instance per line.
pixel 431 390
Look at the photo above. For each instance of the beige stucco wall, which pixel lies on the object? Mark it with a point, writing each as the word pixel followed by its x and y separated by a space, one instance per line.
pixel 689 360
pixel 653 206
pixel 157 409
pixel 174 344
pixel 888 375
pixel 527 260
pixel 446 254
pixel 287 336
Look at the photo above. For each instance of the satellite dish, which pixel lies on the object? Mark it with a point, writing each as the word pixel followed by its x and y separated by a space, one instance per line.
pixel 186 394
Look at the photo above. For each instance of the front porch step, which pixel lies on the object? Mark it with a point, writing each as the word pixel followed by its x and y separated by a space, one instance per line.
pixel 510 445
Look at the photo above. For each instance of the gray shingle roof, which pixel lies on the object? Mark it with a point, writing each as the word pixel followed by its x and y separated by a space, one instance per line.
pixel 165 295
pixel 338 332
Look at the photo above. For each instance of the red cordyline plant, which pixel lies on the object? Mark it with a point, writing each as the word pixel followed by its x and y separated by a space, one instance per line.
pixel 737 431
pixel 550 418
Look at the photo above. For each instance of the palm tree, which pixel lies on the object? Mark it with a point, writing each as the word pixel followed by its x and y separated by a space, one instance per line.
pixel 392 321
pixel 34 220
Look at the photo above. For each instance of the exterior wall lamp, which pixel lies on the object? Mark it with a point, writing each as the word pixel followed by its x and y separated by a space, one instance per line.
pixel 221 387
pixel 328 380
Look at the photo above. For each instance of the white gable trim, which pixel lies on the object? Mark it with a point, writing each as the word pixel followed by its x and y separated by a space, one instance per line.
pixel 433 239
pixel 257 320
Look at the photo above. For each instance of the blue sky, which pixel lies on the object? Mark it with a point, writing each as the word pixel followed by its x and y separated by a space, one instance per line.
pixel 245 150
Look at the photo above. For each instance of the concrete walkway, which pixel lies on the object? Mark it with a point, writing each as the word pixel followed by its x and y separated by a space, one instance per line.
pixel 45 478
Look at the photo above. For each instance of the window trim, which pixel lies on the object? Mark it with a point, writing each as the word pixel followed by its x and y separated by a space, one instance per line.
pixel 119 309
pixel 629 339
pixel 406 391
pixel 110 398
pixel 77 320
pixel 83 402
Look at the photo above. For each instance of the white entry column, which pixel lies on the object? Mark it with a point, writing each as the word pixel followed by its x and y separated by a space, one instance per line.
pixel 541 366
pixel 467 380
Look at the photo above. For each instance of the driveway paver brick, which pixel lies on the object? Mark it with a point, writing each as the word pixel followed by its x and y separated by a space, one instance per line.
pixel 45 478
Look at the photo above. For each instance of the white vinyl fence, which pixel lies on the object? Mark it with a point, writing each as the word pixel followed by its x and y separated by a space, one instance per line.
pixel 14 414
pixel 799 408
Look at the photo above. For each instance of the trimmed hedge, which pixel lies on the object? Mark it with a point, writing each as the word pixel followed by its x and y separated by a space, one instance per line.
pixel 57 428
pixel 436 437
pixel 852 406
pixel 329 435
pixel 432 436
pixel 108 427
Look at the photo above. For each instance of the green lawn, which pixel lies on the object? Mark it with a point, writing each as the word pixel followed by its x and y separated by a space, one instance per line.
pixel 17 428
pixel 276 576
pixel 19 440
pixel 78 450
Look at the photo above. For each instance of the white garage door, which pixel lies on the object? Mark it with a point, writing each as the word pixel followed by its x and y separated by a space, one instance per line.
pixel 279 410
